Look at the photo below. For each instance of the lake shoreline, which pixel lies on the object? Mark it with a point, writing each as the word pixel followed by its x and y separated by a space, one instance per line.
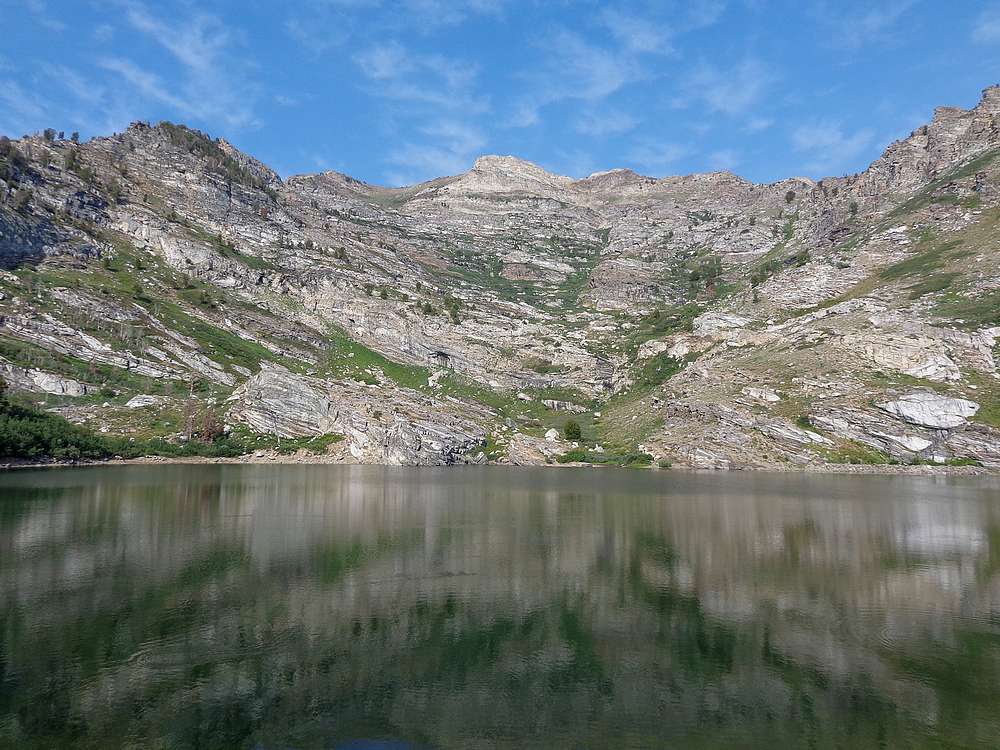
pixel 326 460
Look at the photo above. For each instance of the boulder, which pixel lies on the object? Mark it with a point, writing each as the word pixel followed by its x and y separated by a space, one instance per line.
pixel 718 323
pixel 767 395
pixel 917 356
pixel 932 410
pixel 569 406
pixel 142 401
pixel 277 402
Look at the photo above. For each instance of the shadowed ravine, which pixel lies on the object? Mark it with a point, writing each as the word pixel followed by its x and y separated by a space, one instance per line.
pixel 326 607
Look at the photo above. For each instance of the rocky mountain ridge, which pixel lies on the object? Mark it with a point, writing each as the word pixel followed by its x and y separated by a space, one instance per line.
pixel 697 320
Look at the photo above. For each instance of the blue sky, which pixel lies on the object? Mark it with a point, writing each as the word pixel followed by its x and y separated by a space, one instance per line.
pixel 397 91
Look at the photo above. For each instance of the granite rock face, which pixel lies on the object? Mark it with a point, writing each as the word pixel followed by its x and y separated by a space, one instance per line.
pixel 932 410
pixel 278 402
pixel 702 319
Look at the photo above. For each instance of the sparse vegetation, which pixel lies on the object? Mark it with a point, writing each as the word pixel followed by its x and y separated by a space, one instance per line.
pixel 571 430
pixel 217 161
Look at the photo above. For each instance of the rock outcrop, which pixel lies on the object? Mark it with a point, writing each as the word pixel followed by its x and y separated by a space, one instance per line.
pixel 702 319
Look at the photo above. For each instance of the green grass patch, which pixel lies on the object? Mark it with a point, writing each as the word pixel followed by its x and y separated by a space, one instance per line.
pixel 92 373
pixel 348 358
pixel 851 452
pixel 630 459
pixel 661 322
pixel 937 282
pixel 218 344
pixel 921 263
pixel 655 371
pixel 982 311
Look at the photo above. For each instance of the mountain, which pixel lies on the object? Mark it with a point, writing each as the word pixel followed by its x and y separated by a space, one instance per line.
pixel 161 284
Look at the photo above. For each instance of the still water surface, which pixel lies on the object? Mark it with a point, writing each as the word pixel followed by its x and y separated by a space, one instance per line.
pixel 364 607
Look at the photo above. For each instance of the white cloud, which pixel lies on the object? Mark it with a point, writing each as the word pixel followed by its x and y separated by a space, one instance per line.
pixel 986 29
pixel 575 69
pixel 702 13
pixel 433 80
pixel 606 123
pixel 451 12
pixel 40 10
pixel 385 61
pixel 104 32
pixel 209 82
pixel 757 124
pixel 828 147
pixel 148 84
pixel 874 23
pixel 20 110
pixel 636 34
pixel 723 161
pixel 84 90
pixel 323 25
pixel 734 90
pixel 450 148
pixel 573 163
pixel 657 157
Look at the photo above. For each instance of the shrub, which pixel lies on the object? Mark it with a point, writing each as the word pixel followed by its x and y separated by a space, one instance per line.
pixel 571 431
pixel 636 459
pixel 28 433
pixel 789 196
pixel 21 199
pixel 577 456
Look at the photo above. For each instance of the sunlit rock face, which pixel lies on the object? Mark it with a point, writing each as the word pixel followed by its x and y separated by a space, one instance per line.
pixel 161 262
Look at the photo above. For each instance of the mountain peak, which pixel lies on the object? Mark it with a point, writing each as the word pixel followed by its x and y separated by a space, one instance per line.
pixel 499 174
pixel 512 165
pixel 990 101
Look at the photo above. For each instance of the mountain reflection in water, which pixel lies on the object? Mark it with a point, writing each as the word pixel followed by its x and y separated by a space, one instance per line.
pixel 372 608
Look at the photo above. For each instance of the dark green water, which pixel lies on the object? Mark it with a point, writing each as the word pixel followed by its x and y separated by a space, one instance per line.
pixel 362 607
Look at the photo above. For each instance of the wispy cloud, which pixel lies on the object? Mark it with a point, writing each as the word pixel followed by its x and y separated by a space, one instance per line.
pixel 723 160
pixel 757 124
pixel 637 34
pixel 147 84
pixel 828 147
pixel 606 123
pixel 20 110
pixel 40 10
pixel 435 80
pixel 575 69
pixel 986 29
pixel 323 25
pixel 449 147
pixel 104 32
pixel 657 158
pixel 733 90
pixel 702 13
pixel 872 23
pixel 209 80
pixel 438 96
pixel 452 12
pixel 573 163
